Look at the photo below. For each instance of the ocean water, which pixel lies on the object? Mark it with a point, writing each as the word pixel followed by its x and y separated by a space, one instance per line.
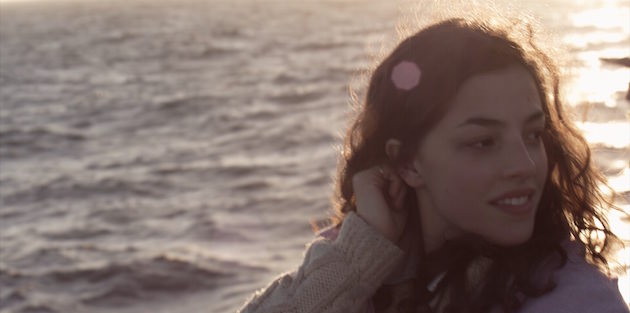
pixel 169 156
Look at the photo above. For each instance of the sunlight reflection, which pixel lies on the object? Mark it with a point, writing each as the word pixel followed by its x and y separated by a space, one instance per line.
pixel 605 17
pixel 621 182
pixel 590 39
pixel 602 32
pixel 595 83
pixel 611 134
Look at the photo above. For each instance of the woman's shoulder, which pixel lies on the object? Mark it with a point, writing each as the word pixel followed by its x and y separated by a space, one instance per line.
pixel 580 287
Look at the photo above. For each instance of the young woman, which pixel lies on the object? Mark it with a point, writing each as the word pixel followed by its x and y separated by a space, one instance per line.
pixel 463 187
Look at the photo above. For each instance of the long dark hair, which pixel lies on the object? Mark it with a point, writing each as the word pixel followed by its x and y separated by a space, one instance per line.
pixel 449 53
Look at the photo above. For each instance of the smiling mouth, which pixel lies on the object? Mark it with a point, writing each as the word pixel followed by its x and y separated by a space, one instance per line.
pixel 522 205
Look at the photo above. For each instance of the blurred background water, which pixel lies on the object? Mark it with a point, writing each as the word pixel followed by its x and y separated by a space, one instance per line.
pixel 168 156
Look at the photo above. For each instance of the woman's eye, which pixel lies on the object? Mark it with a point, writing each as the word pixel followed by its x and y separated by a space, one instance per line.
pixel 482 143
pixel 535 136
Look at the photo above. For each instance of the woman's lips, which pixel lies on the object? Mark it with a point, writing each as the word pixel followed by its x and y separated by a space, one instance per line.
pixel 516 209
pixel 518 202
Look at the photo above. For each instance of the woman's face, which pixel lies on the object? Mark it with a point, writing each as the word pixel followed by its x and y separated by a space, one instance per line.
pixel 482 169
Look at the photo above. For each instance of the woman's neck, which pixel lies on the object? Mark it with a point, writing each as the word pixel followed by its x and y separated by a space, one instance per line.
pixel 435 229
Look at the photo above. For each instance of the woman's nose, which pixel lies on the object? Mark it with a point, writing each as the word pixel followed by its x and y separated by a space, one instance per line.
pixel 520 160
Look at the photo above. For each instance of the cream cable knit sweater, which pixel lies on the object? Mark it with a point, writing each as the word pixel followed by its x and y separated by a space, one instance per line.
pixel 336 276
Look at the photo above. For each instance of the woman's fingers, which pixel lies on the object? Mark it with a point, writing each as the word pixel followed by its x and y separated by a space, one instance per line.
pixel 399 200
pixel 379 196
pixel 396 187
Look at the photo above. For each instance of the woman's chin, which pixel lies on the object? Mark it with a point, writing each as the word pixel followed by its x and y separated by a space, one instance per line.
pixel 513 238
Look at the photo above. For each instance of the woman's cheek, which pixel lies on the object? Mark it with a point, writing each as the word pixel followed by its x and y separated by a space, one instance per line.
pixel 467 185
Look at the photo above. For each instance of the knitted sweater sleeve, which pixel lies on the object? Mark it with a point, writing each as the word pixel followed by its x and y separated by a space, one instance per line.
pixel 335 276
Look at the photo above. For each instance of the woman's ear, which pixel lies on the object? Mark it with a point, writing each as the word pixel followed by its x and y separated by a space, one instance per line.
pixel 408 172
pixel 411 175
pixel 392 148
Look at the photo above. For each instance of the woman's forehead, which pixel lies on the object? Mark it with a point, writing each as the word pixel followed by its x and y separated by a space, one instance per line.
pixel 507 93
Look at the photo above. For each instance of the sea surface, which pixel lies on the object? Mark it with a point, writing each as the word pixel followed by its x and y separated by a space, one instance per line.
pixel 170 156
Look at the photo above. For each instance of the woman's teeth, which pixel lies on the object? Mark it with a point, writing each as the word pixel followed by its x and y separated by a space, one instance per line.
pixel 513 201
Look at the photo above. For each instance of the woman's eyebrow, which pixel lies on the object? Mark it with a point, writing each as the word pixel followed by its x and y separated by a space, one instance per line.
pixel 494 123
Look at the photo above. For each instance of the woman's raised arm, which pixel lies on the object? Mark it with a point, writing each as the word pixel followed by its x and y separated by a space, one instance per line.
pixel 337 275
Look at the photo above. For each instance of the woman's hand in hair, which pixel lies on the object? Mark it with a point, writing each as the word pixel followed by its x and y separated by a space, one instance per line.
pixel 379 196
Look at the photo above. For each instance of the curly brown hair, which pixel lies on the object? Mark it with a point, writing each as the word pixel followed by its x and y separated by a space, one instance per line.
pixel 449 53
